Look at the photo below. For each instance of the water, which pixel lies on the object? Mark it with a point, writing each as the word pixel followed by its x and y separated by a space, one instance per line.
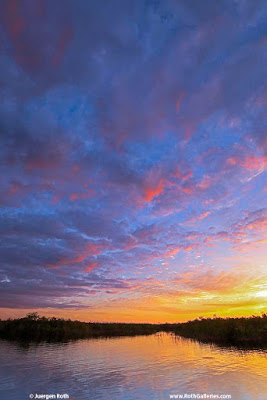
pixel 131 368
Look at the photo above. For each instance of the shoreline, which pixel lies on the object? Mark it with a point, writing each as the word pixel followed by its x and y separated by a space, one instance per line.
pixel 249 331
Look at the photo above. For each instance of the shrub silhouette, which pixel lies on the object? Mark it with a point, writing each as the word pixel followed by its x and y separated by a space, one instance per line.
pixel 233 331
pixel 229 331
pixel 35 328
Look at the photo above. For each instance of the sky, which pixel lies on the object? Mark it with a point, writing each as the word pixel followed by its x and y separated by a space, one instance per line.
pixel 133 156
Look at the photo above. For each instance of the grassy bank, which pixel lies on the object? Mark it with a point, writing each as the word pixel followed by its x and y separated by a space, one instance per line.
pixel 229 331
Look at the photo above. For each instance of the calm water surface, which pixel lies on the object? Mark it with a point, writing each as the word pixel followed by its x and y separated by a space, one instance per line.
pixel 132 368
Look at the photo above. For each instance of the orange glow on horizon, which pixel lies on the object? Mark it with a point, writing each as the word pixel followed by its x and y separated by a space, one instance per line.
pixel 238 293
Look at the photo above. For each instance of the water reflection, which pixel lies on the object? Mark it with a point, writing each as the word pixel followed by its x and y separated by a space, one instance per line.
pixel 132 368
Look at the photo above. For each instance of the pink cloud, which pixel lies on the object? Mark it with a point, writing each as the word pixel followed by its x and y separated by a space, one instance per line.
pixel 249 162
pixel 152 192
pixel 210 281
pixel 206 182
pixel 91 266
pixel 260 224
pixel 200 217
pixel 172 250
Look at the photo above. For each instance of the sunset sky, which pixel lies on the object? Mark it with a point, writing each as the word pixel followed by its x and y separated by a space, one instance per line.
pixel 133 158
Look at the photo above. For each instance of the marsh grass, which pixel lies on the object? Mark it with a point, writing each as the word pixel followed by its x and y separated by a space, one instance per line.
pixel 228 331
pixel 251 331
pixel 36 328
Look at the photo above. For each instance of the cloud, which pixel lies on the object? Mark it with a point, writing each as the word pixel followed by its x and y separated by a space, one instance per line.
pixel 132 146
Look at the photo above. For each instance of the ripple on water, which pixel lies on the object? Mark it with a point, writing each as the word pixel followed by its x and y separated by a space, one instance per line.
pixel 132 368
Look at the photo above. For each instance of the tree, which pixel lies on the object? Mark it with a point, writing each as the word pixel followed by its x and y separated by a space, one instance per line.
pixel 34 316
